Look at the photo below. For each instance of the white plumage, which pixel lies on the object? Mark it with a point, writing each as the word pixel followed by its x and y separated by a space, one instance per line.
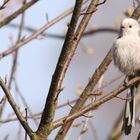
pixel 126 56
pixel 126 49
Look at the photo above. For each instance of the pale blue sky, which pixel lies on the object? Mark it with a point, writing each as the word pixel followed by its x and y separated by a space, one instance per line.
pixel 37 61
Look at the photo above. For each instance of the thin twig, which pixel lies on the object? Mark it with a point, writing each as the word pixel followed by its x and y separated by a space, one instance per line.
pixel 85 126
pixel 14 64
pixel 58 36
pixel 18 12
pixel 36 33
pixel 24 101
pixel 93 130
pixel 88 90
pixel 136 12
pixel 26 114
pixel 4 4
pixel 37 115
pixel 96 104
pixel 59 74
pixel 6 137
pixel 16 109
pixel 92 83
pixel 101 3
pixel 15 55
pixel 80 30
pixel 6 21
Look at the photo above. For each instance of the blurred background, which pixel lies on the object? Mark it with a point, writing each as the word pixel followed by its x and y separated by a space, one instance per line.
pixel 37 61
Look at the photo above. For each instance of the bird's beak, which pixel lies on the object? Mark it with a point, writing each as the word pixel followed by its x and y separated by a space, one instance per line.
pixel 121 31
pixel 122 27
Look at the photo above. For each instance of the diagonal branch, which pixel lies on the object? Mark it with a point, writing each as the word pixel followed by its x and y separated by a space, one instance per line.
pixel 95 104
pixel 18 12
pixel 136 13
pixel 15 55
pixel 13 69
pixel 4 4
pixel 36 33
pixel 16 109
pixel 65 127
pixel 90 86
pixel 63 62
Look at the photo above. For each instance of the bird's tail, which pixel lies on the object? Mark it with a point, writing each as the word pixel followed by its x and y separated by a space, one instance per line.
pixel 129 114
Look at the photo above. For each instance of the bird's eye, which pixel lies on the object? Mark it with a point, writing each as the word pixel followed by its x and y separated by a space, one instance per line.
pixel 130 26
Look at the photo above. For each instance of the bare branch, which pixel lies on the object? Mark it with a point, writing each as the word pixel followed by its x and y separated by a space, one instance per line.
pixel 37 115
pixel 6 21
pixel 36 33
pixel 96 104
pixel 58 36
pixel 13 70
pixel 138 138
pixel 74 34
pixel 59 74
pixel 90 86
pixel 23 100
pixel 18 12
pixel 136 12
pixel 101 3
pixel 15 108
pixel 4 4
pixel 15 56
pixel 26 114
pixel 65 127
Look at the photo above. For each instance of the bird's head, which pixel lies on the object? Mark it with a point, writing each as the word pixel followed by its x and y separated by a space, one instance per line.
pixel 130 26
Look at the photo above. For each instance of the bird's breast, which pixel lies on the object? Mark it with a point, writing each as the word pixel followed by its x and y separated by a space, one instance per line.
pixel 126 55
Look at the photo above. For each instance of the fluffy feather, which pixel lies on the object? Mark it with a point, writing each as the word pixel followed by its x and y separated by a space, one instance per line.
pixel 126 56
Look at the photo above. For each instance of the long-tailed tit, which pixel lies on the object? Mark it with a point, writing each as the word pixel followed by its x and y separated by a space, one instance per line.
pixel 126 55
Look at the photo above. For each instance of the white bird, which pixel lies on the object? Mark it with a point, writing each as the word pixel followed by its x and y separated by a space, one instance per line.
pixel 126 56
